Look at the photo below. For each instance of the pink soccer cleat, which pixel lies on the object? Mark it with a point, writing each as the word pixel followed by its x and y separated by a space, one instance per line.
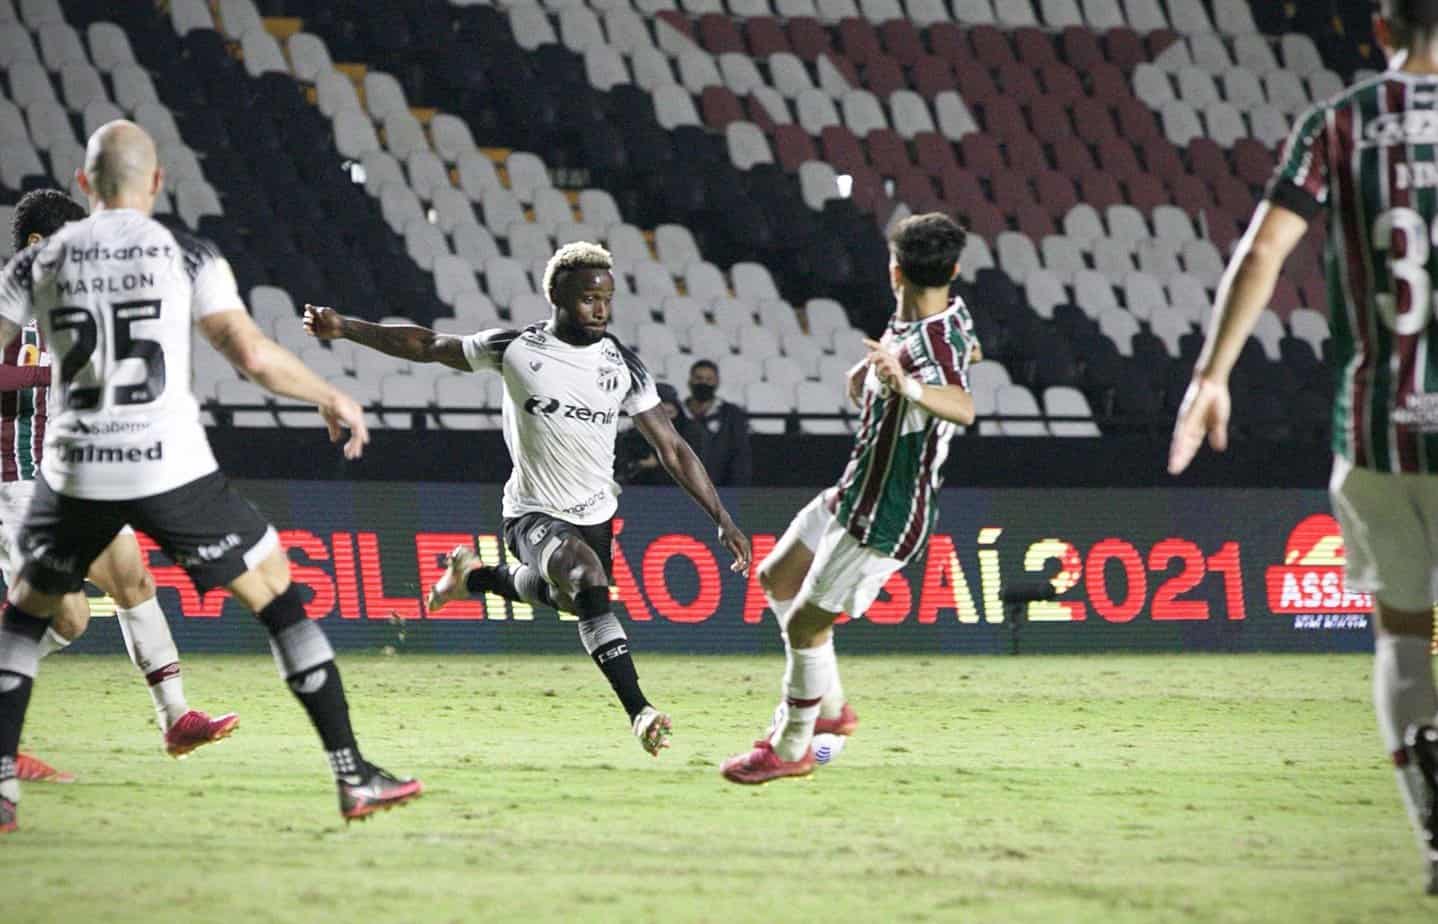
pixel 196 729
pixel 31 769
pixel 763 765
pixel 845 723
pixel 376 791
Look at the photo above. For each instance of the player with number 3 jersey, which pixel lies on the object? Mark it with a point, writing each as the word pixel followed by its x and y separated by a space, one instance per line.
pixel 1366 162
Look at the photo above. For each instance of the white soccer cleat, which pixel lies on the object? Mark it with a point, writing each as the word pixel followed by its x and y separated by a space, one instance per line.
pixel 653 729
pixel 450 585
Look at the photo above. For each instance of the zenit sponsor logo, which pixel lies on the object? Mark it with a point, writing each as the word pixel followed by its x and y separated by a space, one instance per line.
pixel 1309 585
pixel 542 406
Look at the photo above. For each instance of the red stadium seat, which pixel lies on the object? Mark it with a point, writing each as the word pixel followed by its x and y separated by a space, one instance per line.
pixel 1023 152
pixel 1033 47
pixel 1124 48
pixel 981 154
pixel 859 39
pixel 765 37
pixel 916 190
pixel 1107 82
pixel 960 187
pixel 1162 158
pixel 842 150
pixel 1285 297
pixel 1191 194
pixel 1233 195
pixel 902 41
pixel 1158 40
pixel 1099 190
pixel 888 154
pixel 1116 157
pixel 974 83
pixel 845 67
pixel 991 48
pixel 1034 220
pixel 934 153
pixel 868 192
pixel 1011 190
pixel 1136 122
pixel 1018 82
pixel 793 146
pixel 1073 158
pixel 883 75
pixel 1145 192
pixel 949 42
pixel 984 219
pixel 1003 118
pixel 718 34
pixel 1050 120
pixel 1223 231
pixel 1056 192
pixel 932 76
pixel 1061 82
pixel 1207 160
pixel 1093 120
pixel 1253 162
pixel 808 37
pixel 1080 47
pixel 719 106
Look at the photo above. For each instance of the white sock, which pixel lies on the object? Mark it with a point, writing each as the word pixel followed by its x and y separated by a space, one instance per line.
pixel 833 702
pixel 810 678
pixel 1403 694
pixel 152 650
pixel 52 642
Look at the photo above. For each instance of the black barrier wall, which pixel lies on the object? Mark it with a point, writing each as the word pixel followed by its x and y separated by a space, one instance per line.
pixel 1152 570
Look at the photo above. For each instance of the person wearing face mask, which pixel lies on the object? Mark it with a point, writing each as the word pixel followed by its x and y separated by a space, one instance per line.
pixel 721 432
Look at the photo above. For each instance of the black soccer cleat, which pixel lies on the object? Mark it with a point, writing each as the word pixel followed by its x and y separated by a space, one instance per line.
pixel 373 791
pixel 1421 743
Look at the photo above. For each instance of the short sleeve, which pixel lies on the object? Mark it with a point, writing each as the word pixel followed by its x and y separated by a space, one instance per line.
pixel 212 283
pixel 484 350
pixel 642 395
pixel 16 284
pixel 1300 183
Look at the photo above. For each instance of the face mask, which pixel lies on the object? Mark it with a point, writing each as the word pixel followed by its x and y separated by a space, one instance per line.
pixel 702 391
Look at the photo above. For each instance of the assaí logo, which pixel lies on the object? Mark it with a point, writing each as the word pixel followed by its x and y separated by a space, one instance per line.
pixel 1309 584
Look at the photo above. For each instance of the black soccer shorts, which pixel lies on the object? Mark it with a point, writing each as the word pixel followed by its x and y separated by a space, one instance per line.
pixel 533 537
pixel 205 526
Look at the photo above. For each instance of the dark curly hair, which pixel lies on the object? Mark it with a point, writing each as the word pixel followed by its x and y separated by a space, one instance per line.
pixel 927 247
pixel 43 212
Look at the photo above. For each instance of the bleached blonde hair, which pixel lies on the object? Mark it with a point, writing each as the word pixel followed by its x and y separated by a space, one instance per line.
pixel 575 256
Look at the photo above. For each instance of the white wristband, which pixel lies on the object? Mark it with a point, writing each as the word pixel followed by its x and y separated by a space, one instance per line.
pixel 913 389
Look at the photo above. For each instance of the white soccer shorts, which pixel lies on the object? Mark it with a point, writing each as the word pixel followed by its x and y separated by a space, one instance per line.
pixel 1390 533
pixel 14 501
pixel 844 576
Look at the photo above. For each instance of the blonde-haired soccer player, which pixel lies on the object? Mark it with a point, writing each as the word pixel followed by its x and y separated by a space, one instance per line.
pixel 566 381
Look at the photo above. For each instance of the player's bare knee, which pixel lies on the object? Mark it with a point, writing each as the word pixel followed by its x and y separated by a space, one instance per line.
pixel 808 626
pixel 259 586
pixel 133 588
pixel 1393 621
pixel 74 617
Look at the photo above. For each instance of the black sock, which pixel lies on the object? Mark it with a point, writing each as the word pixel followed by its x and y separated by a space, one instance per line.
pixel 604 639
pixel 20 635
pixel 306 661
pixel 522 583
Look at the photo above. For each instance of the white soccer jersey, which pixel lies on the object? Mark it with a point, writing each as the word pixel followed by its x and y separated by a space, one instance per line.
pixel 561 414
pixel 115 296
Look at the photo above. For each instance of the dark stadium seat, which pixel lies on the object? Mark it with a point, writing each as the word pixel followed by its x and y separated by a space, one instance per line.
pixel 933 153
pixel 882 75
pixel 793 146
pixel 719 106
pixel 888 154
pixel 764 37
pixel 902 41
pixel 718 34
pixel 932 75
pixel 948 41
pixel 991 46
pixel 1034 48
pixel 809 38
pixel 859 40
pixel 1050 120
pixel 1080 47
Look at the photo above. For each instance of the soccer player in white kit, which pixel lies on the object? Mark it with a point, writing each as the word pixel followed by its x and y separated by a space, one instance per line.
pixel 1366 160
pixel 115 297
pixel 120 570
pixel 839 550
pixel 565 383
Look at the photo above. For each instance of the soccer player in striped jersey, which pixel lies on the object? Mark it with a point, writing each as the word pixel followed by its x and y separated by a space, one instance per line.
pixel 839 550
pixel 120 571
pixel 1367 162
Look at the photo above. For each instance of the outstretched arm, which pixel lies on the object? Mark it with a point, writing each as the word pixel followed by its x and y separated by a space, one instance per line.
pixel 684 467
pixel 1244 291
pixel 407 341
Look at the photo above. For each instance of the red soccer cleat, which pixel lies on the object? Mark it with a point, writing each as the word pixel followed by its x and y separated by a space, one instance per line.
pixel 377 791
pixel 195 729
pixel 762 765
pixel 31 769
pixel 845 723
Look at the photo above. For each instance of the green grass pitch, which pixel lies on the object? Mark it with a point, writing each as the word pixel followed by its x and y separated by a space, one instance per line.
pixel 1053 789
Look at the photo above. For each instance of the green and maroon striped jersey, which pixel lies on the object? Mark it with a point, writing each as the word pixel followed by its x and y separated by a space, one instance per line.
pixel 886 496
pixel 1369 157
pixel 23 411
